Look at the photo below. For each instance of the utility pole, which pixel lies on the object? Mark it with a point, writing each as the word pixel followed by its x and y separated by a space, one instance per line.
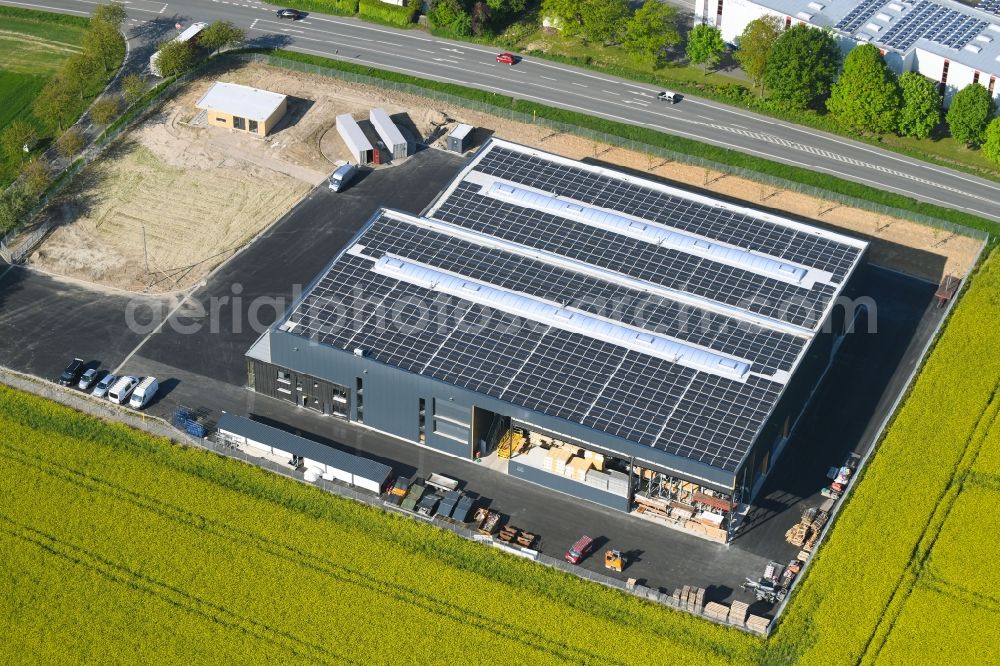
pixel 145 254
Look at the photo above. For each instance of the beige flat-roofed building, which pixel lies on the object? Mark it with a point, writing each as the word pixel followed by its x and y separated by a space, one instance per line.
pixel 243 108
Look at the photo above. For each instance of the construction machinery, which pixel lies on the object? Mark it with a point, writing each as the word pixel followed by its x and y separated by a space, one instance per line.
pixel 614 560
pixel 770 587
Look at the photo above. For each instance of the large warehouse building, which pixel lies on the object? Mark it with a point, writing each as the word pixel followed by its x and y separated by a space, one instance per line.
pixel 947 41
pixel 603 335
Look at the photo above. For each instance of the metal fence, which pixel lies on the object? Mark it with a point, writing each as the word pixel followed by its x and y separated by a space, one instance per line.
pixel 772 181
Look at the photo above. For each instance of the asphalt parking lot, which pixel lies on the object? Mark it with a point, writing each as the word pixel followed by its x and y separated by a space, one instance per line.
pixel 198 356
pixel 45 321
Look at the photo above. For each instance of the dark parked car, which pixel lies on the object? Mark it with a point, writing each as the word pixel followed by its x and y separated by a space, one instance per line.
pixel 293 14
pixel 579 550
pixel 71 375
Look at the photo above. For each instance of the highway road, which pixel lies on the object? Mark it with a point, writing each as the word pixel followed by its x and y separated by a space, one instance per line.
pixel 416 52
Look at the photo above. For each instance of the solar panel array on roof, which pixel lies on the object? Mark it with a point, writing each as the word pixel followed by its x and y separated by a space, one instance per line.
pixel 860 15
pixel 452 297
pixel 928 20
pixel 991 6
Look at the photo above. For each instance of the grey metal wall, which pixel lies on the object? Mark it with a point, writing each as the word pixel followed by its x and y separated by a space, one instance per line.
pixel 319 394
pixel 568 486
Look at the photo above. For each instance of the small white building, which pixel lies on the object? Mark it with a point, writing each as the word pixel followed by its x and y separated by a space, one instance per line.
pixel 359 145
pixel 243 108
pixel 944 40
pixel 398 146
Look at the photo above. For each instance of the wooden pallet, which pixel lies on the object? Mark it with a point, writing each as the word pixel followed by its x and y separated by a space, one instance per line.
pixel 717 611
pixel 757 624
pixel 738 613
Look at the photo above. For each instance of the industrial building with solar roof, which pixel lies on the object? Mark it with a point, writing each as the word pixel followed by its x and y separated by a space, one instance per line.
pixel 609 337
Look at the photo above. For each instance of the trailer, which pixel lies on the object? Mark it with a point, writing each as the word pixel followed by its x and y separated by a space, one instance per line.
pixel 442 483
pixel 397 145
pixel 462 509
pixel 448 504
pixel 355 139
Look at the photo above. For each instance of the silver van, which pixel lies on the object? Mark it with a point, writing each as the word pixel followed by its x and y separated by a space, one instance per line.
pixel 342 176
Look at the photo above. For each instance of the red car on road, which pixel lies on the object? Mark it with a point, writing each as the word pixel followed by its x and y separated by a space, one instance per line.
pixel 506 58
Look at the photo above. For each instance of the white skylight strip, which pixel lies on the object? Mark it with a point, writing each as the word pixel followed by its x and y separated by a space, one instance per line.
pixel 650 233
pixel 606 275
pixel 519 305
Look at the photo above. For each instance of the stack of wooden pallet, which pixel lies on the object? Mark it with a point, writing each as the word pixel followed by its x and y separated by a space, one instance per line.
pixel 596 458
pixel 576 469
pixel 738 613
pixel 815 529
pixel 689 598
pixel 508 533
pixel 757 624
pixel 717 611
pixel 556 460
pixel 798 534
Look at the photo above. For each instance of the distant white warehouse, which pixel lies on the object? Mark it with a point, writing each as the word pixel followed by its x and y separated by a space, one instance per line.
pixel 944 40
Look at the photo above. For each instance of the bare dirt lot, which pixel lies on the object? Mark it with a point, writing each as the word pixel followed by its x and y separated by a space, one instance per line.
pixel 180 197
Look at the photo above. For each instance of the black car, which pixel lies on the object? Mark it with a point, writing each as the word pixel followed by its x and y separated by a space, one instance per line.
pixel 293 14
pixel 71 375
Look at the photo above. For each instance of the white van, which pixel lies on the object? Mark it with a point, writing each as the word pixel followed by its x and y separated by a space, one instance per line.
pixel 144 392
pixel 668 96
pixel 120 392
pixel 341 177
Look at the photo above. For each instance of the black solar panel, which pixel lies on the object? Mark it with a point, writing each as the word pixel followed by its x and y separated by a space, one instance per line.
pixel 638 259
pixel 928 20
pixel 860 15
pixel 991 6
pixel 681 213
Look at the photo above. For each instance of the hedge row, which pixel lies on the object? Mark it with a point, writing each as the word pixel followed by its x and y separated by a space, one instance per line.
pixel 382 12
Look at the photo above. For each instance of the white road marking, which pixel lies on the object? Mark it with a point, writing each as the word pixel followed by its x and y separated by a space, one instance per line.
pixel 368 27
pixel 574 83
pixel 425 51
pixel 254 23
pixel 547 77
pixel 611 92
pixel 117 371
pixel 54 9
pixel 635 101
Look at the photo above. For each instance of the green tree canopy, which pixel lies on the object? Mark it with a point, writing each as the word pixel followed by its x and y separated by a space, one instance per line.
pixel 15 137
pixel 802 66
pixel 604 21
pixel 112 13
pixel 133 88
pixel 102 41
pixel 866 97
pixel 221 34
pixel 175 58
pixel 705 46
pixel 755 46
pixel 596 20
pixel 970 112
pixel 105 109
pixel 78 71
pixel 450 15
pixel 70 143
pixel 991 146
pixel 35 177
pixel 921 111
pixel 13 203
pixel 652 30
pixel 56 104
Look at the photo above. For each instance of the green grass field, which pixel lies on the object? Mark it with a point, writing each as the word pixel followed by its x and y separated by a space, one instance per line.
pixel 33 46
pixel 121 546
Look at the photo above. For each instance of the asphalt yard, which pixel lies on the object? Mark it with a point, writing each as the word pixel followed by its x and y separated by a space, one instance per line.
pixel 198 356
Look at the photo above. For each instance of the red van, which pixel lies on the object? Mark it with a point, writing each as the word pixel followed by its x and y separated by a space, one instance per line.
pixel 579 550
